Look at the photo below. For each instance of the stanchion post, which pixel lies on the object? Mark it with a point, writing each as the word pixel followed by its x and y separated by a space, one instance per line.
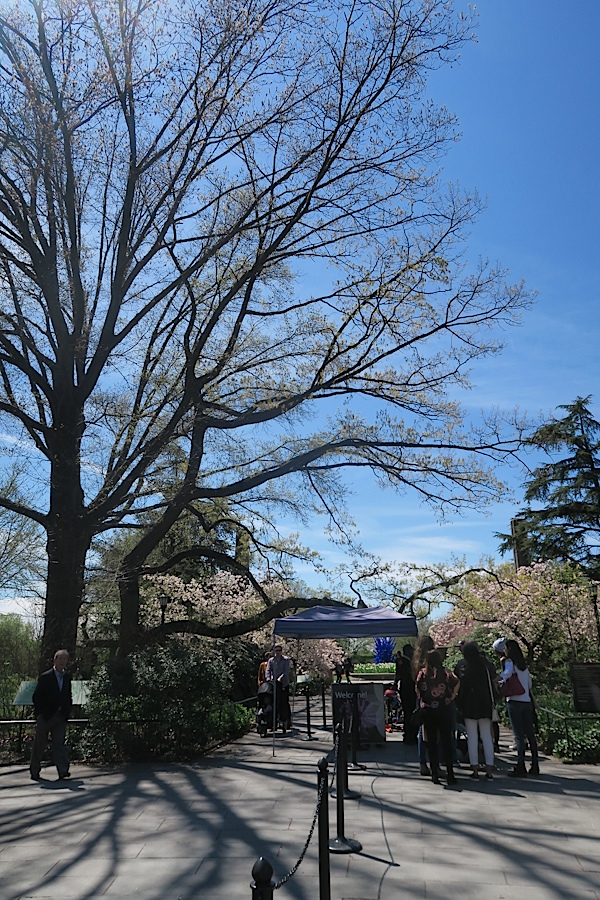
pixel 324 708
pixel 309 735
pixel 340 843
pixel 342 763
pixel 262 886
pixel 324 874
pixel 354 765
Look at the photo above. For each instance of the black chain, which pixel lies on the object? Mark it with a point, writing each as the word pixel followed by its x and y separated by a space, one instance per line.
pixel 308 839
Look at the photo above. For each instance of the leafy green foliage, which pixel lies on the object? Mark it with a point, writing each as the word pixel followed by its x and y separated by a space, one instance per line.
pixel 167 702
pixel 19 645
pixel 581 747
pixel 9 684
pixel 19 648
pixel 375 668
pixel 562 518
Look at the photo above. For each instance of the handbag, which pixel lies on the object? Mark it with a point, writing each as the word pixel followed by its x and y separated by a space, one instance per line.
pixel 495 716
pixel 416 720
pixel 512 687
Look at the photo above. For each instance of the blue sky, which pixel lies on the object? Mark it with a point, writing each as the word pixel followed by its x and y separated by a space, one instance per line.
pixel 527 98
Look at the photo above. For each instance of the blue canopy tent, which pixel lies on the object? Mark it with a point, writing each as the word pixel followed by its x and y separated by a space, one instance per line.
pixel 340 622
pixel 344 622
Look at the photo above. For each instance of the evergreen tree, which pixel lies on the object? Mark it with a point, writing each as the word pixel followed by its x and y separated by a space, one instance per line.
pixel 562 518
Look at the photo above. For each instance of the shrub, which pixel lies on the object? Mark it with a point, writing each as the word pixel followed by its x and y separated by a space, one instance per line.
pixel 19 645
pixel 167 702
pixel 19 648
pixel 583 741
pixel 9 685
pixel 580 748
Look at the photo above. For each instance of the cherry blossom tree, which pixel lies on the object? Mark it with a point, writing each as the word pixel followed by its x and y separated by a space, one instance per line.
pixel 546 607
pixel 216 606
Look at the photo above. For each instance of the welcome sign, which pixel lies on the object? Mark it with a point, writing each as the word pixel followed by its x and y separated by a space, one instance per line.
pixel 366 700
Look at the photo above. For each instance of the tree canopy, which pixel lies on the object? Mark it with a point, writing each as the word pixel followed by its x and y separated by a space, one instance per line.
pixel 562 518
pixel 229 269
pixel 547 607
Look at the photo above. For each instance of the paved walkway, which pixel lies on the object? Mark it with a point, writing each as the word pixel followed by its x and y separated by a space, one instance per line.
pixel 194 832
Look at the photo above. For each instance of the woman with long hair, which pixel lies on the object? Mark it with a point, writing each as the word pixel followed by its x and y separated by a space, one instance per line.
pixel 436 689
pixel 520 709
pixel 419 658
pixel 476 701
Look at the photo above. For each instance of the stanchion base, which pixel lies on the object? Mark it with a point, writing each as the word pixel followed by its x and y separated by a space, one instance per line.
pixel 348 795
pixel 344 845
pixel 309 737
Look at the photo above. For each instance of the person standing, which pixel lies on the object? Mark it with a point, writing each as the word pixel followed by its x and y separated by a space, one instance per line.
pixel 348 667
pixel 52 701
pixel 520 708
pixel 278 670
pixel 459 671
pixel 406 687
pixel 419 658
pixel 476 702
pixel 262 669
pixel 436 688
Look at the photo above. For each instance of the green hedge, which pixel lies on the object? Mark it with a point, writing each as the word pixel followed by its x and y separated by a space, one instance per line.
pixel 580 747
pixel 165 703
pixel 576 739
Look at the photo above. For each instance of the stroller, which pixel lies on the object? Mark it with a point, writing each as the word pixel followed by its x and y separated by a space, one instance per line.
pixel 393 709
pixel 264 709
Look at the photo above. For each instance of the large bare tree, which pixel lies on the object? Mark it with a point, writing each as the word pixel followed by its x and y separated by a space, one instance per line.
pixel 224 241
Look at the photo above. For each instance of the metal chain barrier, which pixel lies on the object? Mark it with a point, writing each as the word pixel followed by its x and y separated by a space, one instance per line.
pixel 308 840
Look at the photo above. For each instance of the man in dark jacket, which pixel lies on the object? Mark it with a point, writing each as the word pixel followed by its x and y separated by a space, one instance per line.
pixel 408 696
pixel 52 701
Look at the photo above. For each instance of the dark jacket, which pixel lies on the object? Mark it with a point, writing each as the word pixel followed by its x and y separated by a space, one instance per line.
pixel 48 700
pixel 475 696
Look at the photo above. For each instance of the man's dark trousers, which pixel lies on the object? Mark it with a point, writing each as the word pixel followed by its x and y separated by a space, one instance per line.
pixel 52 707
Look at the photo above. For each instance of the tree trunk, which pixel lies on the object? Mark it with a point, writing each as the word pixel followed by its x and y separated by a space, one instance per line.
pixel 129 631
pixel 67 550
pixel 68 533
pixel 128 577
pixel 595 590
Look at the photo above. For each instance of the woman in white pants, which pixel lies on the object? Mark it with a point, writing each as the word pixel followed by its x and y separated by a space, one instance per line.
pixel 475 701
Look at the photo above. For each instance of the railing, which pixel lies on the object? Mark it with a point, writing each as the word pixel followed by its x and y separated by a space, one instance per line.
pixel 558 725
pixel 15 733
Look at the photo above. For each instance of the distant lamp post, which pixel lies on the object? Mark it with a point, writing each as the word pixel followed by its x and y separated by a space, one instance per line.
pixel 164 602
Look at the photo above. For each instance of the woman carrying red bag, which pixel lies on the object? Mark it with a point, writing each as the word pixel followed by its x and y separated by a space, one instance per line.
pixel 515 684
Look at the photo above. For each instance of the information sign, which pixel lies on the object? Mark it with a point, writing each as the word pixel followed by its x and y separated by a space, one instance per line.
pixel 586 686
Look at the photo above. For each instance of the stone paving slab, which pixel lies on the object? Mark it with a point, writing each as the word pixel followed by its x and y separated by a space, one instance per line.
pixel 194 832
